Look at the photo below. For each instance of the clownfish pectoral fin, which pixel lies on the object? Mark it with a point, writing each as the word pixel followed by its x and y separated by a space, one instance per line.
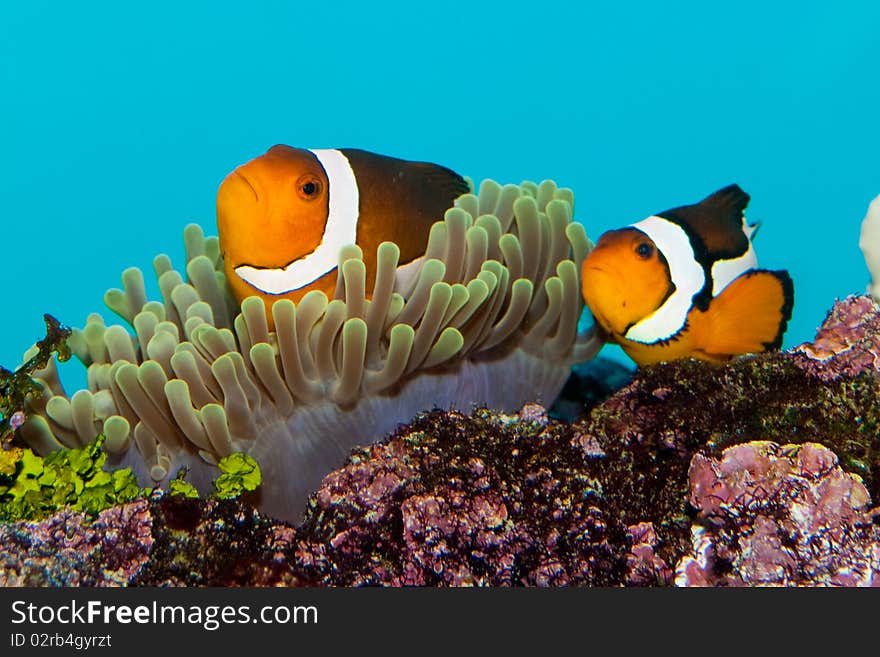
pixel 751 230
pixel 750 315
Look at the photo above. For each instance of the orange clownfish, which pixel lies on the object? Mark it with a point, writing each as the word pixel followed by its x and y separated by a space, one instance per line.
pixel 283 217
pixel 684 283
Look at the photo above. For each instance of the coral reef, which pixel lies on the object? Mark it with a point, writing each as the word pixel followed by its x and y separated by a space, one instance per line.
pixel 466 500
pixel 218 543
pixel 847 343
pixel 162 541
pixel 761 471
pixel 496 300
pixel 499 500
pixel 781 515
pixel 74 549
pixel 784 397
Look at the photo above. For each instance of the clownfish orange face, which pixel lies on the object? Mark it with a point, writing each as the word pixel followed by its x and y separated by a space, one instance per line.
pixel 625 278
pixel 685 283
pixel 283 217
pixel 272 212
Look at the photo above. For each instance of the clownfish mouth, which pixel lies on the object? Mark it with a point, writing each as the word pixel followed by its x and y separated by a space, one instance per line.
pixel 597 268
pixel 599 277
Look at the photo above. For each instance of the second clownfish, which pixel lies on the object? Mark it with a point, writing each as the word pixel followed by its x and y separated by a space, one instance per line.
pixel 283 217
pixel 685 283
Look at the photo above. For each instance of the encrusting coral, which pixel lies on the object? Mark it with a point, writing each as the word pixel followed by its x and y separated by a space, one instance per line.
pixel 652 489
pixel 491 318
pixel 74 549
pixel 779 515
pixel 847 343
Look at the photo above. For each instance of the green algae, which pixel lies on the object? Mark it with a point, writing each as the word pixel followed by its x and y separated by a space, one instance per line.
pixel 179 486
pixel 241 474
pixel 33 487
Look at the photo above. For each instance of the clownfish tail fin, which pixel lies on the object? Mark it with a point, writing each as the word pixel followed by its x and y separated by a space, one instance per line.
pixel 751 314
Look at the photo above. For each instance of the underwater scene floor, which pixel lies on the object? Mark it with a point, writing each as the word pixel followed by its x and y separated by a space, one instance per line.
pixel 763 471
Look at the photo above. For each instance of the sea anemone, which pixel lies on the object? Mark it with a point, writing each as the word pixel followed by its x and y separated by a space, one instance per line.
pixel 491 318
pixel 869 243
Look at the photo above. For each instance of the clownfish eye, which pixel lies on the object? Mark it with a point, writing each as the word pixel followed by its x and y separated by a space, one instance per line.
pixel 308 187
pixel 644 250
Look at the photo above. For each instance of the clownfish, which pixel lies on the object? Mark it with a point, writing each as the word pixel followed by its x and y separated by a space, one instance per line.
pixel 685 283
pixel 283 216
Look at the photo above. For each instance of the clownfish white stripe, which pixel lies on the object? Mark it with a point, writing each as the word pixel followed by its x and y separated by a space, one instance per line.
pixel 686 274
pixel 340 231
pixel 724 272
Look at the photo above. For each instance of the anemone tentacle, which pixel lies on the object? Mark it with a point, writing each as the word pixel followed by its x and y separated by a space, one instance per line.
pixel 490 317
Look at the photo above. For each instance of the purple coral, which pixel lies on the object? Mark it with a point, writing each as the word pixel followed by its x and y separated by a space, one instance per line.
pixel 639 485
pixel 847 343
pixel 779 515
pixel 644 566
pixel 456 500
pixel 220 543
pixel 71 549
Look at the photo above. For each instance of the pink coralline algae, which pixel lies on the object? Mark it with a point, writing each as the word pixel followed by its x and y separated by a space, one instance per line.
pixel 644 567
pixel 779 515
pixel 847 343
pixel 492 500
pixel 72 549
pixel 16 420
pixel 455 500
pixel 688 475
pixel 218 543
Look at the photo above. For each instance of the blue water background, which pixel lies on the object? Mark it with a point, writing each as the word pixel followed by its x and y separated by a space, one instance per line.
pixel 119 120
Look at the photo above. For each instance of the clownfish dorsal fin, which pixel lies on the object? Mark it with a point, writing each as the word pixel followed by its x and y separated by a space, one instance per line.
pixel 400 200
pixel 419 182
pixel 442 179
pixel 717 222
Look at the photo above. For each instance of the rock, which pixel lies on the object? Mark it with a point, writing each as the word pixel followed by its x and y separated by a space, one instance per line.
pixel 71 549
pixel 590 384
pixel 779 515
pixel 847 343
pixel 760 471
pixel 218 543
pixel 459 500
